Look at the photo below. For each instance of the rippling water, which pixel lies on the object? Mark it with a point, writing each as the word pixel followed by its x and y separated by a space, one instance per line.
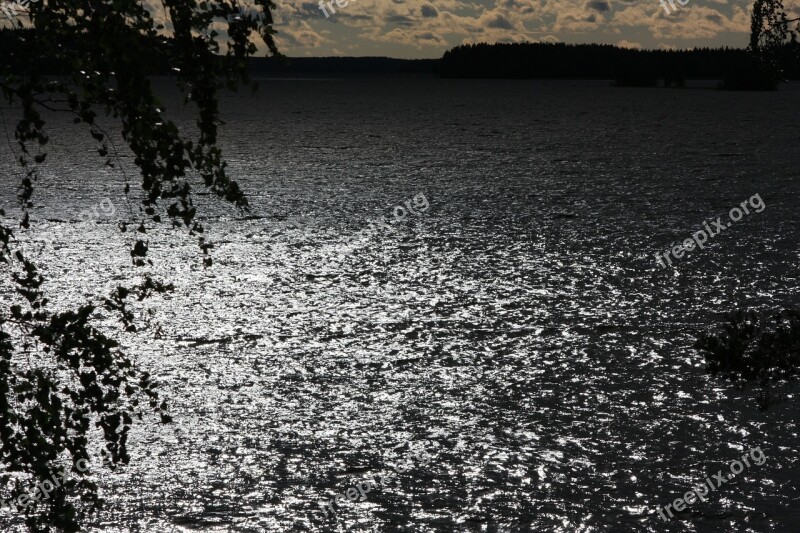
pixel 519 331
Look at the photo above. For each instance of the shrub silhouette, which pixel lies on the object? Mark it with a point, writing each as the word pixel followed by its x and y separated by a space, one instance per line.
pixel 749 75
pixel 753 348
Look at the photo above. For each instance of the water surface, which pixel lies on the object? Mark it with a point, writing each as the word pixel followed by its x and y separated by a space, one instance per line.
pixel 519 331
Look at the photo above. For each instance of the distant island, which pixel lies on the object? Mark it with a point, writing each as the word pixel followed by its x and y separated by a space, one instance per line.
pixel 629 67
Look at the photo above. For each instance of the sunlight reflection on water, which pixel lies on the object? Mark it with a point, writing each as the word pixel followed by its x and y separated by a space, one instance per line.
pixel 519 330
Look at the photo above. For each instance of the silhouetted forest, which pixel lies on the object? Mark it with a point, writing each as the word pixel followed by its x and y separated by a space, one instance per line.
pixel 599 61
pixel 520 61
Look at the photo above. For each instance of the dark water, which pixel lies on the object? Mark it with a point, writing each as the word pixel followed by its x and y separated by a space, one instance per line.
pixel 519 331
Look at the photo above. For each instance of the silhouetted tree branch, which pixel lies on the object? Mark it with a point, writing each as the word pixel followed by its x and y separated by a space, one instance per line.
pixel 64 383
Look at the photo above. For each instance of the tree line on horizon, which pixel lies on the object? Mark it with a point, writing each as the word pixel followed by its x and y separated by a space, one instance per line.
pixel 771 57
pixel 601 61
pixel 628 67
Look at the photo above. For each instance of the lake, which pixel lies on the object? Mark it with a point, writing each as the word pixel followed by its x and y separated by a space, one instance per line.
pixel 518 332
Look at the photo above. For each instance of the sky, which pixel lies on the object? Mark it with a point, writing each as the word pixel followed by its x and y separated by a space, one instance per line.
pixel 427 28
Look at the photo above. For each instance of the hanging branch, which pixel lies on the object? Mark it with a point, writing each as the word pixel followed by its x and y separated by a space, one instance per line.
pixel 63 382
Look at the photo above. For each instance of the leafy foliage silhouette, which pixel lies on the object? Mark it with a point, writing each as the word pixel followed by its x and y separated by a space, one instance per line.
pixel 770 30
pixel 63 382
pixel 773 46
pixel 757 349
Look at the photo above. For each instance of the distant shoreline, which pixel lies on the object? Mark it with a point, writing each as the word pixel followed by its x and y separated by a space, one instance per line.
pixel 627 67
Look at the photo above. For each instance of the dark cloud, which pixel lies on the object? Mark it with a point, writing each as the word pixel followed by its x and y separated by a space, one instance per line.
pixel 599 5
pixel 428 36
pixel 428 11
pixel 400 20
pixel 499 21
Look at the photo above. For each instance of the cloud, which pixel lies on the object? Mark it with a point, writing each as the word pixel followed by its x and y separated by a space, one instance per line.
pixel 499 21
pixel 381 27
pixel 414 38
pixel 428 11
pixel 599 5
pixel 549 39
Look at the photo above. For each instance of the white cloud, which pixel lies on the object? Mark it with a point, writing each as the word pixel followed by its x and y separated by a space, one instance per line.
pixel 628 44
